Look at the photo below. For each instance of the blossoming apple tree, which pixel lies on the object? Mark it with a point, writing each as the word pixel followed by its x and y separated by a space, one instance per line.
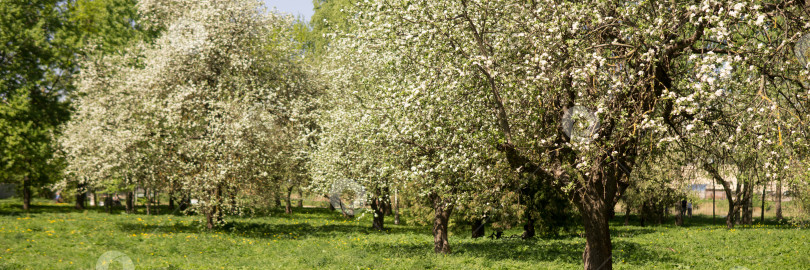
pixel 216 101
pixel 515 69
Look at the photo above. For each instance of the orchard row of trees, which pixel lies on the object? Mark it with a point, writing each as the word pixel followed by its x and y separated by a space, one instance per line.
pixel 512 112
pixel 479 98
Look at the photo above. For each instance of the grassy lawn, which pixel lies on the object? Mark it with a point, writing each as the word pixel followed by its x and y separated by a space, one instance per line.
pixel 53 236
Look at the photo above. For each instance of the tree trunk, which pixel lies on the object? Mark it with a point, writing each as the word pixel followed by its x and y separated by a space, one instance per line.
pixel 679 216
pixel 209 218
pixel 130 202
pixel 300 198
pixel 659 213
pixel 727 188
pixel 779 200
pixel 388 208
pixel 277 198
pixel 213 214
pixel 108 203
pixel 148 201
pixel 440 222
pixel 329 201
pixel 598 246
pixel 748 214
pixel 738 203
pixel 288 208
pixel 762 209
pixel 26 193
pixel 730 216
pixel 643 214
pixel 478 229
pixel 219 212
pixel 378 221
pixel 626 214
pixel 81 196
pixel 396 208
pixel 528 228
pixel 171 200
pixel 184 203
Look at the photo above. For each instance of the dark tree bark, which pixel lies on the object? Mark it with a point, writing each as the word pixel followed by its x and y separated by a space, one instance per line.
pixel 26 193
pixel 440 221
pixel 643 214
pixel 81 196
pixel 288 206
pixel 730 218
pixel 378 222
pixel 184 203
pixel 661 211
pixel 388 208
pixel 748 204
pixel 528 228
pixel 329 201
pixel 130 202
pixel 209 218
pixel 108 203
pixel 598 247
pixel 300 198
pixel 478 229
pixel 171 200
pixel 277 198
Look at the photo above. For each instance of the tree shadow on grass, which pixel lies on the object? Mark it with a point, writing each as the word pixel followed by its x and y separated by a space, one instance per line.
pixel 630 231
pixel 259 229
pixel 696 221
pixel 532 251
pixel 14 208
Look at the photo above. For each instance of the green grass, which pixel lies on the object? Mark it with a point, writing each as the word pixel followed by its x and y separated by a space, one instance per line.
pixel 56 237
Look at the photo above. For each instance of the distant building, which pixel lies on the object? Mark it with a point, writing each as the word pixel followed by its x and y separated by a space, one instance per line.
pixel 702 185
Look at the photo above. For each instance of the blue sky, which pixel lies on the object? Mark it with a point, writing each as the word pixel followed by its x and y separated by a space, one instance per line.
pixel 294 7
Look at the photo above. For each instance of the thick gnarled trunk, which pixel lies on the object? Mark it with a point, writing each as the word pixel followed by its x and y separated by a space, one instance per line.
pixel 130 202
pixel 441 219
pixel 598 247
pixel 81 196
pixel 478 228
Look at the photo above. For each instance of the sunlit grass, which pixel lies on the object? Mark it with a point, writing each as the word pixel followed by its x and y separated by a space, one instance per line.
pixel 57 237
